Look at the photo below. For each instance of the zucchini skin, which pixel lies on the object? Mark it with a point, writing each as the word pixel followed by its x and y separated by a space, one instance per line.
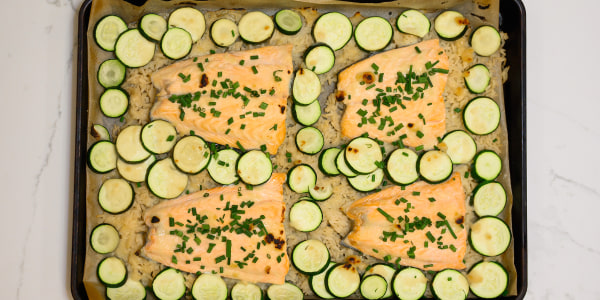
pixel 116 285
pixel 96 27
pixel 465 121
pixel 322 168
pixel 309 273
pixel 426 179
pixel 317 20
pixel 474 172
pixel 309 49
pixel 389 176
pixel 358 43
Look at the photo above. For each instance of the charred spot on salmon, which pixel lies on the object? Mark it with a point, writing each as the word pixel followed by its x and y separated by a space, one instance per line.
pixel 460 220
pixel 155 219
pixel 340 95
pixel 269 238
pixel 268 269
pixel 368 77
pixel 411 125
pixel 289 72
pixel 203 80
pixel 282 108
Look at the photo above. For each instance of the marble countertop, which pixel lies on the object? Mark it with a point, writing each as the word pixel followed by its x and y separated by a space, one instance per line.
pixel 37 80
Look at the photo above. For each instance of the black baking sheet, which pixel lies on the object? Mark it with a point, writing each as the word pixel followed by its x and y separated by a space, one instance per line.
pixel 512 21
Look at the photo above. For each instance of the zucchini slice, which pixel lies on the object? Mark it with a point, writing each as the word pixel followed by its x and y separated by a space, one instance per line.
pixel 319 58
pixel 450 284
pixel 413 22
pixel 158 136
pixel 485 40
pixel 373 286
pixel 153 26
pixel 305 216
pixel 189 19
pixel 111 73
pixel 459 145
pixel 191 154
pixel 342 280
pixel 373 34
pixel 487 165
pixel 320 193
pixel 104 238
pixel 209 287
pixel 450 25
pixel 310 257
pixel 309 140
pixel 488 279
pixel 367 182
pixel 333 29
pixel 327 163
pixel 112 272
pixel 135 172
pixel 286 291
pixel 246 291
pixel 409 284
pixel 489 199
pixel 477 78
pixel 254 167
pixel 129 145
pixel 434 166
pixel 288 21
pixel 301 178
pixel 115 196
pixel 133 49
pixel 169 284
pixel 131 290
pixel 481 115
pixel 107 31
pixel 306 87
pixel 176 43
pixel 100 132
pixel 256 27
pixel 317 282
pixel 387 272
pixel 114 102
pixel 490 236
pixel 102 157
pixel 401 166
pixel 362 155
pixel 224 32
pixel 164 179
pixel 221 167
pixel 307 115
pixel 342 166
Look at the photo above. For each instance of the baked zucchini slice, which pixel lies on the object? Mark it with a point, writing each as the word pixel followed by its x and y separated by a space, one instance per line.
pixel 305 216
pixel 133 49
pixel 310 257
pixel 306 87
pixel 224 32
pixel 288 21
pixel 333 29
pixel 189 19
pixel 319 58
pixel 327 160
pixel 221 167
pixel 489 199
pixel 286 291
pixel 107 31
pixel 301 178
pixel 191 154
pixel 409 284
pixel 115 196
pixel 114 102
pixel 102 157
pixel 450 25
pixel 485 40
pixel 112 272
pixel 158 136
pixel 373 34
pixel 450 284
pixel 434 166
pixel 490 236
pixel 477 78
pixel 487 165
pixel 254 167
pixel 176 43
pixel 459 146
pixel 209 287
pixel 256 27
pixel 401 166
pixel 104 238
pixel 481 115
pixel 166 181
pixel 131 290
pixel 488 279
pixel 111 73
pixel 153 26
pixel 413 22
pixel 309 140
pixel 307 115
pixel 169 284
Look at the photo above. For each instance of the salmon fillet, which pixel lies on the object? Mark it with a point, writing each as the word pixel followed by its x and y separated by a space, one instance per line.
pixel 408 227
pixel 380 101
pixel 236 98
pixel 231 230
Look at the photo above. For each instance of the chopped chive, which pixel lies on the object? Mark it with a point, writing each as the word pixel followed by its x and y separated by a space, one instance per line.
pixel 420 134
pixel 241 62
pixel 253 57
pixel 457 110
pixel 431 199
pixel 386 215
pixel 263 105
pixel 375 67
pixel 254 70
pixel 370 86
pixel 201 67
pixel 170 138
pixel 417 49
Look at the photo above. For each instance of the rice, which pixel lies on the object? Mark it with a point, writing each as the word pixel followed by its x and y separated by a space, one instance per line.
pixel 335 224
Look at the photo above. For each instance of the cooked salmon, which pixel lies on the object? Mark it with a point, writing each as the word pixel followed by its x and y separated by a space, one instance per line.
pixel 419 226
pixel 396 95
pixel 231 230
pixel 235 98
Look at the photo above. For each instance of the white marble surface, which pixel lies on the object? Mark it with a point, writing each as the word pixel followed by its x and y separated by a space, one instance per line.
pixel 36 127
